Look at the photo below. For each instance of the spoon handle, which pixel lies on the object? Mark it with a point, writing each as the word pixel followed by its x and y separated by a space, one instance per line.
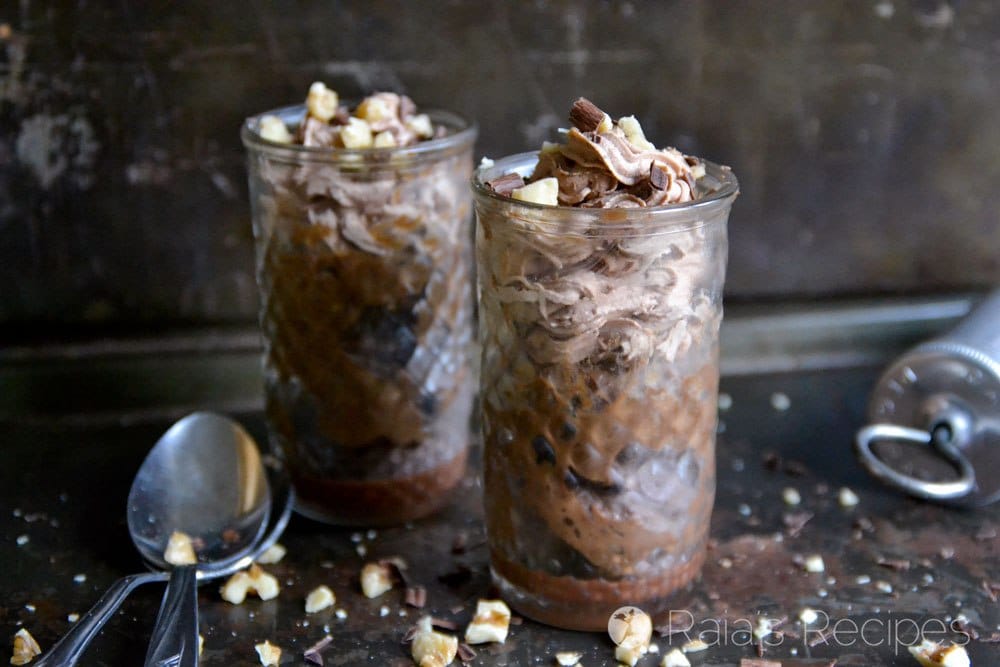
pixel 67 651
pixel 175 636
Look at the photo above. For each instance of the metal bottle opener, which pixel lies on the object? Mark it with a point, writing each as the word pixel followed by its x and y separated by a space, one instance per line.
pixel 944 394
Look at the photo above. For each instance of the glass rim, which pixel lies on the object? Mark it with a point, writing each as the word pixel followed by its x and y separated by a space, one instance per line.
pixel 664 214
pixel 464 132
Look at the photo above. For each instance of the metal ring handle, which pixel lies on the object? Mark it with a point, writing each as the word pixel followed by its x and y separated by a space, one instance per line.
pixel 918 487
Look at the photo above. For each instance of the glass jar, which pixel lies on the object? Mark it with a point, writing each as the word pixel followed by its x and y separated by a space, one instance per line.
pixel 364 261
pixel 599 388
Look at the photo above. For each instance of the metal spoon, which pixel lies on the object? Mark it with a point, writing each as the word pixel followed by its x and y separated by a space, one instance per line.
pixel 68 650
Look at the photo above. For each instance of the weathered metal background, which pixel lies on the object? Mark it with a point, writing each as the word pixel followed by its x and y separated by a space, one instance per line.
pixel 865 133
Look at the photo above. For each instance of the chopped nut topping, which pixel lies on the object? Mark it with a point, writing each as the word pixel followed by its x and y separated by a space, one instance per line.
pixel 421 126
pixel 431 648
pixel 543 191
pixel 321 102
pixel 26 648
pixel 274 129
pixel 384 139
pixel 633 132
pixel 272 555
pixel 254 580
pixel 376 579
pixel 568 658
pixel 490 624
pixel 269 654
pixel 201 644
pixel 180 549
pixel 356 134
pixel 675 659
pixel 631 629
pixel 319 599
pixel 932 654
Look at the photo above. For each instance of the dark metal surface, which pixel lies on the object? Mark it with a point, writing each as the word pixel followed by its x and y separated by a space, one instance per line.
pixel 63 487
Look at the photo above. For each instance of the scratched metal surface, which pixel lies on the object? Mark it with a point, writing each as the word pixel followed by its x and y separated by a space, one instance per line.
pixel 64 488
pixel 864 134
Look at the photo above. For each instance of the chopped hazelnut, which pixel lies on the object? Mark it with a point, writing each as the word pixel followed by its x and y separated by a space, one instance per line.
pixel 675 659
pixel 321 102
pixel 421 126
pixel 319 599
pixel 26 648
pixel 568 658
pixel 254 580
pixel 274 129
pixel 490 623
pixel 180 550
pixel 269 654
pixel 543 191
pixel 272 555
pixel 633 132
pixel 384 139
pixel 357 134
pixel 431 648
pixel 932 654
pixel 694 646
pixel 631 629
pixel 376 579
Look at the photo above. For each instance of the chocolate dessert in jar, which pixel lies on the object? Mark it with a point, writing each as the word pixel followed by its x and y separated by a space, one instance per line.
pixel 361 219
pixel 601 264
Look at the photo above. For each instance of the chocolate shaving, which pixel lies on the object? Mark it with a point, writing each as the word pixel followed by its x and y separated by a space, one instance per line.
pixel 659 176
pixel 410 634
pixel 757 662
pixel 466 653
pixel 796 521
pixel 443 623
pixel 314 654
pixel 585 115
pixel 504 185
pixel 897 564
pixel 416 596
pixel 397 568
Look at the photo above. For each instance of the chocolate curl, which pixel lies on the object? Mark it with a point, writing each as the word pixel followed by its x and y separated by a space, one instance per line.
pixel 416 596
pixel 585 115
pixel 504 185
pixel 314 654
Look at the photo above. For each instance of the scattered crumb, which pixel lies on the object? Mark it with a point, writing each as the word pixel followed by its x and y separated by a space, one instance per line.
pixel 725 401
pixel 22 540
pixel 30 607
pixel 79 578
pixel 675 659
pixel 780 401
pixel 383 611
pixel 932 654
pixel 272 555
pixel 568 658
pixel 694 646
pixel 883 586
pixel 26 648
pixel 362 550
pixel 341 614
pixel 73 618
pixel 791 496
pixel 814 563
pixel 744 509
pixel 847 498
pixel 863 579
pixel 269 654
pixel 808 616
pixel 884 9
pixel 371 534
pixel 319 598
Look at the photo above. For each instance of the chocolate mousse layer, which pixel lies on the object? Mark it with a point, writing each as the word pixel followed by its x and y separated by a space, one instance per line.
pixel 364 254
pixel 601 265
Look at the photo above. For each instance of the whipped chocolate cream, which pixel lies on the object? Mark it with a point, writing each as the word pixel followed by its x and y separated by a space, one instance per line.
pixel 364 259
pixel 599 323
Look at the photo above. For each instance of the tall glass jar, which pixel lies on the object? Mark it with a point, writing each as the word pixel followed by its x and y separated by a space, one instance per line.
pixel 599 386
pixel 364 263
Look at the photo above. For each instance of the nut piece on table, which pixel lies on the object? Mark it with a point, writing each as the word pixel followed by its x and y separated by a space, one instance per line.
pixel 847 498
pixel 490 624
pixel 321 102
pixel 273 555
pixel 631 629
pixel 26 648
pixel 384 139
pixel 269 654
pixel 694 646
pixel 180 550
pixel 568 658
pixel 274 129
pixel 431 648
pixel 378 107
pixel 376 579
pixel 543 191
pixel 675 659
pixel 932 654
pixel 319 599
pixel 814 563
pixel 254 580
